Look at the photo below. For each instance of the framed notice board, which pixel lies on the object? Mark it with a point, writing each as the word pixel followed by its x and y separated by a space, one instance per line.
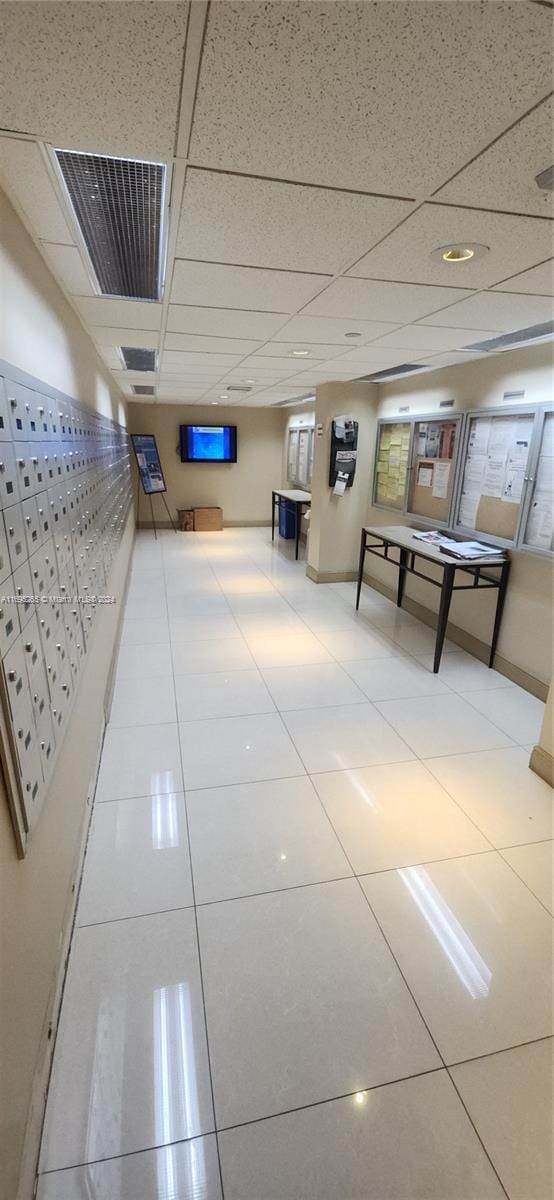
pixel 495 474
pixel 433 468
pixel 537 528
pixel 391 463
pixel 300 456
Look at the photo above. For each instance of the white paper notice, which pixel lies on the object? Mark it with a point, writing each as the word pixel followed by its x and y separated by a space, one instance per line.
pixel 540 525
pixel 513 484
pixel 493 478
pixel 502 436
pixel 424 476
pixel 440 480
pixel 479 435
pixel 468 509
pixel 340 485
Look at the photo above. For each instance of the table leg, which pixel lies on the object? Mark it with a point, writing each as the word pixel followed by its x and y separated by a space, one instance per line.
pixel 446 594
pixel 401 576
pixel 273 516
pixel 360 569
pixel 298 520
pixel 503 584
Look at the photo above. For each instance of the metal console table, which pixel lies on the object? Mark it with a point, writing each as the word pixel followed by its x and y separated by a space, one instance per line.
pixel 387 538
pixel 300 500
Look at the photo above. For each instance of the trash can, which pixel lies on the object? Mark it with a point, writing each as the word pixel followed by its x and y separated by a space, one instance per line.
pixel 287 518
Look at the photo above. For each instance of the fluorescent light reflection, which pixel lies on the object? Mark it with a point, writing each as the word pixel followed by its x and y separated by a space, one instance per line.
pixel 161 782
pixel 175 1089
pixel 367 796
pixel 165 825
pixel 470 968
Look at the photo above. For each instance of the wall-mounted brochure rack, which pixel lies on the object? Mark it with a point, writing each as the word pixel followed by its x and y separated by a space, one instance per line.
pixel 65 493
pixel 485 473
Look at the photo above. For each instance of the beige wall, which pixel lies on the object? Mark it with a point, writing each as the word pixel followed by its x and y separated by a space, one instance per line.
pixel 526 633
pixel 41 334
pixel 241 489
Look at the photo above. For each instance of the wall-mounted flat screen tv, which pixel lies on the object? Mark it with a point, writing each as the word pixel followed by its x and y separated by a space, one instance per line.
pixel 208 443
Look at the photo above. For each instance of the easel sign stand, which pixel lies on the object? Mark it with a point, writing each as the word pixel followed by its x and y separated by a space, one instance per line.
pixel 150 474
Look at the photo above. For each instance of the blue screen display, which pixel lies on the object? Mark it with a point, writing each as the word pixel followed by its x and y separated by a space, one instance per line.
pixel 208 443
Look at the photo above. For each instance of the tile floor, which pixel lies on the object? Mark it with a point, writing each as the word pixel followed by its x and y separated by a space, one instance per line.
pixel 312 951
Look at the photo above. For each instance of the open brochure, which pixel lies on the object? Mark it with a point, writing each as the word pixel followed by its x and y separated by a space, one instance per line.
pixel 468 549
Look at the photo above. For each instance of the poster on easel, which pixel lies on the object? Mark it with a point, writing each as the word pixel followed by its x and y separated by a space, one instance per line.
pixel 148 463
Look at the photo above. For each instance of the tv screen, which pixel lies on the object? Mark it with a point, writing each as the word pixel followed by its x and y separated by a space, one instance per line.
pixel 208 443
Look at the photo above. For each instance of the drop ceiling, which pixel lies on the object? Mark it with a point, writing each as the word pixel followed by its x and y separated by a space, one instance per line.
pixel 317 155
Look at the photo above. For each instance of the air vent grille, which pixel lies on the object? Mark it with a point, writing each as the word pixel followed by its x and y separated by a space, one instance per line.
pixel 140 389
pixel 506 341
pixel 118 205
pixel 237 388
pixel 402 369
pixel 137 359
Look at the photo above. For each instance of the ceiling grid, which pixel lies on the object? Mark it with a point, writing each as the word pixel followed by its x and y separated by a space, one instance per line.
pixel 318 156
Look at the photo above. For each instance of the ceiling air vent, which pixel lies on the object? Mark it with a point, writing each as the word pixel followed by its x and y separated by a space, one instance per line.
pixel 137 359
pixel 238 388
pixel 402 369
pixel 508 341
pixel 140 389
pixel 118 204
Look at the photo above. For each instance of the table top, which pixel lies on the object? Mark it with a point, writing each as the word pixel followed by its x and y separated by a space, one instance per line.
pixel 300 497
pixel 401 535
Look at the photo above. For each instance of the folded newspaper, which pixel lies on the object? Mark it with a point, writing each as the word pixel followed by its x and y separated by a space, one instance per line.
pixel 468 549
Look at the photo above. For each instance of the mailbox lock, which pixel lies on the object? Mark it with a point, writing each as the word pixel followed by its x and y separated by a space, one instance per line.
pixel 28 647
pixel 12 676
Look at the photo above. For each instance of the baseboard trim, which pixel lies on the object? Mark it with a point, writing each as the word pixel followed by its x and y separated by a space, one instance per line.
pixel 465 640
pixel 542 763
pixel 166 524
pixel 330 576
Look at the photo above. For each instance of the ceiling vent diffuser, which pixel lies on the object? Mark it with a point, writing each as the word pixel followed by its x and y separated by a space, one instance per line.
pixel 140 389
pixel 509 341
pixel 118 204
pixel 402 369
pixel 137 359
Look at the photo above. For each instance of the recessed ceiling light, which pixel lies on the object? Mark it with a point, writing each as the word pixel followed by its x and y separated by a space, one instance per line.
pixel 224 396
pixel 214 401
pixel 352 334
pixel 249 380
pixel 300 353
pixel 459 252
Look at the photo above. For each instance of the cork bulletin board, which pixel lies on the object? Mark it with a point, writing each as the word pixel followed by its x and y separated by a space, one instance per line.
pixel 433 468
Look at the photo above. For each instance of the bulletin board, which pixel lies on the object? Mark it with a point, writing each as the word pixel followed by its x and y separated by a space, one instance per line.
pixel 538 529
pixel 495 471
pixel 391 470
pixel 300 456
pixel 292 455
pixel 434 450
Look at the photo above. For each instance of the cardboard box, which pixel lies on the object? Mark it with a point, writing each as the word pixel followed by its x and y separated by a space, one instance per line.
pixel 186 519
pixel 207 520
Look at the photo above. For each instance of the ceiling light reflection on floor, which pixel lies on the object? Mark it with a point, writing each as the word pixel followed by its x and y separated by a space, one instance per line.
pixel 471 969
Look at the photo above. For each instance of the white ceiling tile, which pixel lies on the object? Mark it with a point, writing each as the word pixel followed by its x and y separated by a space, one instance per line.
pixel 452 358
pixel 316 350
pixel 309 91
pixel 284 363
pixel 24 177
pixel 245 287
pixel 289 226
pixel 132 314
pixel 431 337
pixel 495 310
pixel 330 330
pixel 66 263
pixel 504 175
pixel 539 281
pixel 144 339
pixel 75 74
pixel 223 322
pixel 180 358
pixel 212 345
pixel 515 243
pixel 364 354
pixel 110 357
pixel 365 299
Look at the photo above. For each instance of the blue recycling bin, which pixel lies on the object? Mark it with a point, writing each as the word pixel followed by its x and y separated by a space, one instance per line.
pixel 287 518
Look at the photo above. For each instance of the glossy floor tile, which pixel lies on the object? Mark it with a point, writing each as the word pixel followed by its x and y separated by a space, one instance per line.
pixel 407 1141
pixel 318 685
pixel 237 750
pixel 148 702
pixel 518 713
pixel 185 1171
pixel 221 694
pixel 352 735
pixel 475 947
pixel 534 864
pixel 140 762
pixel 323 992
pixel 137 859
pixel 395 816
pixel 210 654
pixel 394 679
pixel 509 1099
pixel 437 725
pixel 316 873
pixel 260 837
pixel 496 788
pixel 131 1068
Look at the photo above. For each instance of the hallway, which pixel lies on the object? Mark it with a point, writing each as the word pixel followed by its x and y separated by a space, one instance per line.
pixel 311 958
